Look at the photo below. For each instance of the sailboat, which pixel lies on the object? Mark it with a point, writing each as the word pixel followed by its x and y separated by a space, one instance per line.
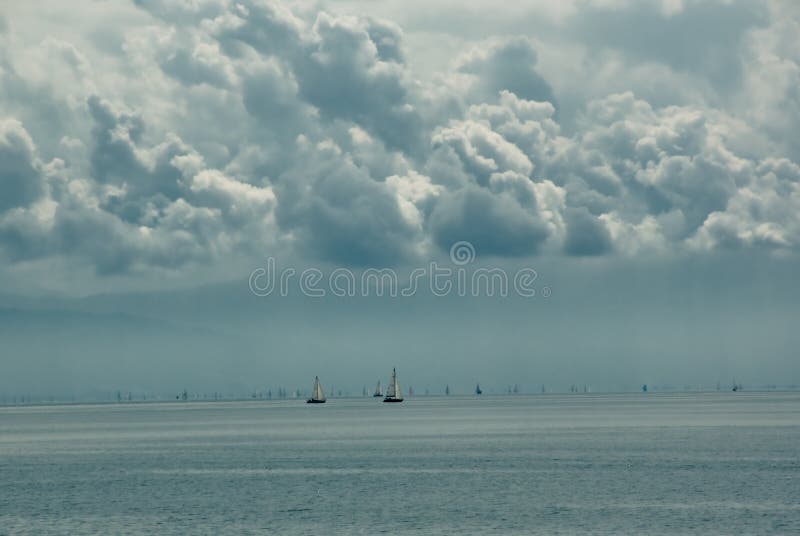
pixel 317 394
pixel 393 393
pixel 378 390
pixel 478 389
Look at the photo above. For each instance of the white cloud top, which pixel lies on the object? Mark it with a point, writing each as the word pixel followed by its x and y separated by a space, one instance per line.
pixel 160 135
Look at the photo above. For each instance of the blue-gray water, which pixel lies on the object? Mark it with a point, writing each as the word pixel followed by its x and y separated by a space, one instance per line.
pixel 713 463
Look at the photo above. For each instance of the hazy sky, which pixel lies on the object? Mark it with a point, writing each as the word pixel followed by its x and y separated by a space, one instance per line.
pixel 642 156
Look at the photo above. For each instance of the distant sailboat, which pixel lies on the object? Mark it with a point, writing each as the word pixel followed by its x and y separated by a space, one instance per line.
pixel 393 393
pixel 317 394
pixel 478 389
pixel 378 390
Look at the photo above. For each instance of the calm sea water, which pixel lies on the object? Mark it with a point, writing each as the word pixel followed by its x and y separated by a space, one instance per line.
pixel 714 463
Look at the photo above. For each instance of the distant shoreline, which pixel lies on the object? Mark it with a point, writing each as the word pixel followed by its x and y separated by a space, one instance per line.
pixel 275 400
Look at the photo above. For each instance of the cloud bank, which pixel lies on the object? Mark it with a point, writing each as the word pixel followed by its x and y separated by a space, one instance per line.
pixel 159 136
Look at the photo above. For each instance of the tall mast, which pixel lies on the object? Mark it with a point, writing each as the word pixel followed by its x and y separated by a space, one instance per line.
pixel 317 393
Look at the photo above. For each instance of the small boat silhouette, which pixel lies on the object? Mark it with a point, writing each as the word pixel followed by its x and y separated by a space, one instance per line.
pixel 317 394
pixel 393 393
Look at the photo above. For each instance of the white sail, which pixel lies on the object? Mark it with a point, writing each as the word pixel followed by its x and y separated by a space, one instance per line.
pixel 378 391
pixel 317 393
pixel 393 390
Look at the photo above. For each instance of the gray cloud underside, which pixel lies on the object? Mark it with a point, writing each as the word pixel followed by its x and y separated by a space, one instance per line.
pixel 204 130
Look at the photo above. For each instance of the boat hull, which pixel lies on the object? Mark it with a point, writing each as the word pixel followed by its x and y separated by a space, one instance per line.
pixel 312 401
pixel 387 399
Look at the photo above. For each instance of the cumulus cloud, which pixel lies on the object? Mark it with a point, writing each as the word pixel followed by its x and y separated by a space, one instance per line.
pixel 764 213
pixel 494 224
pixel 221 128
pixel 21 179
pixel 586 234
pixel 506 64
pixel 336 211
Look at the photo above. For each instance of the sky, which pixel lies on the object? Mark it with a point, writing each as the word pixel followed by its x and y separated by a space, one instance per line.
pixel 640 158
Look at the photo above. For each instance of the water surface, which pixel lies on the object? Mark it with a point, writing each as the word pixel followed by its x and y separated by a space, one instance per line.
pixel 700 463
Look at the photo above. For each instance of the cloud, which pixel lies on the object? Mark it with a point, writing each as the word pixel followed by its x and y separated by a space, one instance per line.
pixel 184 10
pixel 700 37
pixel 764 214
pixel 348 75
pixel 215 129
pixel 586 234
pixel 769 96
pixel 494 225
pixel 506 64
pixel 21 180
pixel 142 207
pixel 336 211
pixel 197 62
pixel 666 159
pixel 270 95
